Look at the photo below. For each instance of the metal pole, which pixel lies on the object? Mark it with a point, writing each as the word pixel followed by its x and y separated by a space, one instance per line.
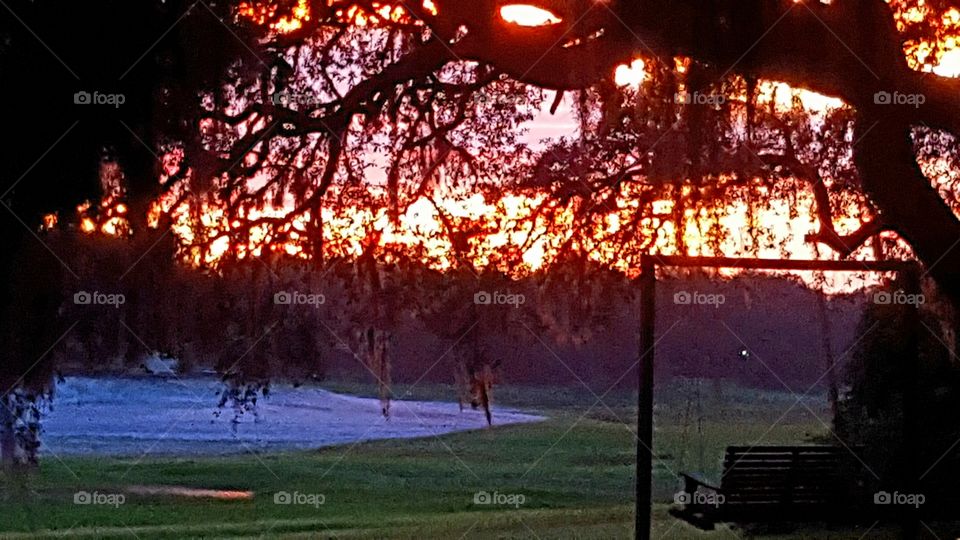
pixel 644 487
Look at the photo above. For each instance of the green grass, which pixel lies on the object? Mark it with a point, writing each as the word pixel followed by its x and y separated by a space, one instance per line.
pixel 575 471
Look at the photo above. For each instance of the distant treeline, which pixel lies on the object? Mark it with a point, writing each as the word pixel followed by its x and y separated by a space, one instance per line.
pixel 280 317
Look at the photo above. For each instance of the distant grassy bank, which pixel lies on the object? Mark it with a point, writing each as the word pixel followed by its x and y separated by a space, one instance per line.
pixel 695 420
pixel 574 473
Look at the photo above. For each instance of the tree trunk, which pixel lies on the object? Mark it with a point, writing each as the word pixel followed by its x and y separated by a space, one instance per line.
pixel 909 474
pixel 907 201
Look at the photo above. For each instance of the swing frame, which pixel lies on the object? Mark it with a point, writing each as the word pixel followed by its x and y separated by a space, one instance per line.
pixel 645 384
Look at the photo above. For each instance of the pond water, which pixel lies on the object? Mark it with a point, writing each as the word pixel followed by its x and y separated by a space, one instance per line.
pixel 157 416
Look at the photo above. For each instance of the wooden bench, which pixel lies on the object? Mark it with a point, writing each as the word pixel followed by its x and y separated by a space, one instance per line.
pixel 778 484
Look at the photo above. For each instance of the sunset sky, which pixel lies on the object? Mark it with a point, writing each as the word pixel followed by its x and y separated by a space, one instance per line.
pixel 420 225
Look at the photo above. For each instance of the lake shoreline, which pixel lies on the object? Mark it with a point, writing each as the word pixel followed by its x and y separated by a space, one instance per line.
pixel 172 416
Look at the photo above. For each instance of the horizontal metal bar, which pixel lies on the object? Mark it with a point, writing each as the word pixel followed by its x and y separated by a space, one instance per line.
pixel 783 264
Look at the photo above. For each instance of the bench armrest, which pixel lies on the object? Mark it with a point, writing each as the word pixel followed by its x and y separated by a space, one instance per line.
pixel 692 483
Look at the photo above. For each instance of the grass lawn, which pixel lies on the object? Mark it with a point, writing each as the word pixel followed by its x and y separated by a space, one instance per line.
pixel 574 472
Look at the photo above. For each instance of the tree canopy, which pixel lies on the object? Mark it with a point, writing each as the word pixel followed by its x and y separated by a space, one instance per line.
pixel 432 95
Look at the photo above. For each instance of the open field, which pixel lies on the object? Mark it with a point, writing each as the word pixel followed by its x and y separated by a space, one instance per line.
pixel 574 471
